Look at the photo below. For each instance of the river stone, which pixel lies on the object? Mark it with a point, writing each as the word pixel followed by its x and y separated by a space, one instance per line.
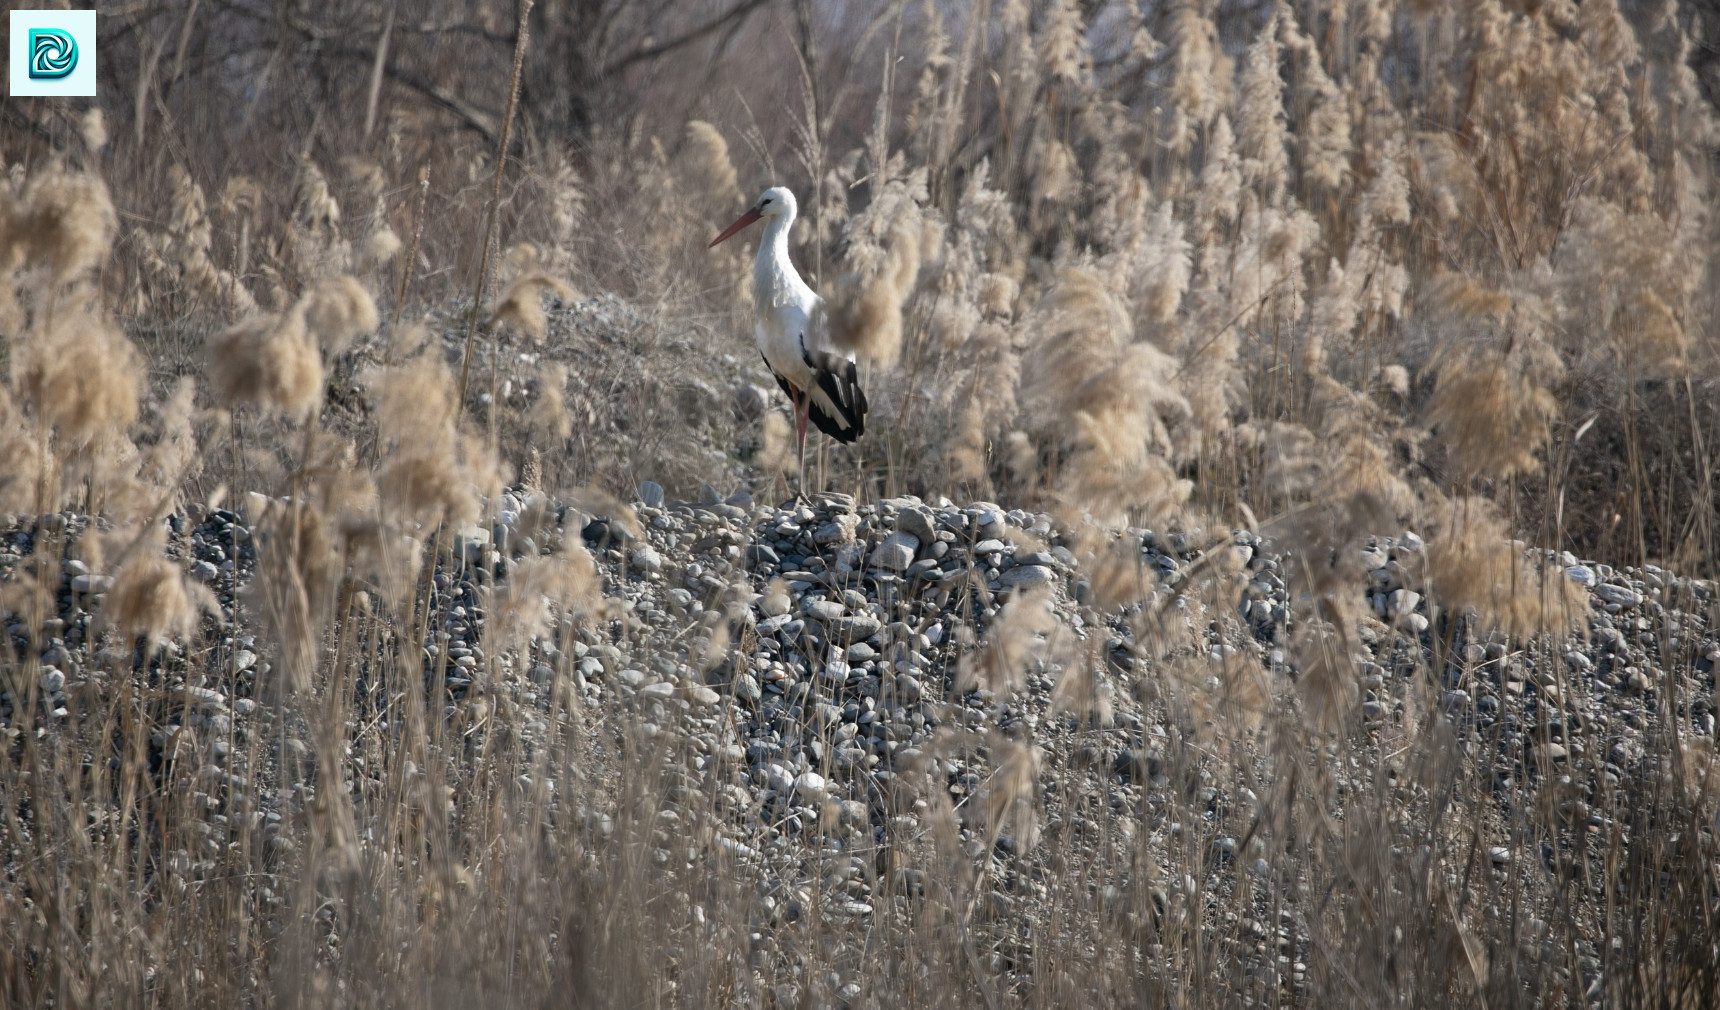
pixel 896 552
pixel 809 786
pixel 1618 594
pixel 917 522
pixel 1026 577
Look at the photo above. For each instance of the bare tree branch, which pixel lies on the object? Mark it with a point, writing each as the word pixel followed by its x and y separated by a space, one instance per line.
pixel 739 10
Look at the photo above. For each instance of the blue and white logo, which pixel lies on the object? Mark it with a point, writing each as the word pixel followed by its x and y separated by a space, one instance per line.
pixel 53 54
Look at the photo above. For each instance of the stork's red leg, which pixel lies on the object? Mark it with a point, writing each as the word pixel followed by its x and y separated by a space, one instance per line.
pixel 802 414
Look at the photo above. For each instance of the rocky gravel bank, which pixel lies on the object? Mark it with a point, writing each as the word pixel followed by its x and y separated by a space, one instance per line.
pixel 821 668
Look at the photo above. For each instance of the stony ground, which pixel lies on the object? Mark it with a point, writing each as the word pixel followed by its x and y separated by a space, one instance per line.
pixel 808 655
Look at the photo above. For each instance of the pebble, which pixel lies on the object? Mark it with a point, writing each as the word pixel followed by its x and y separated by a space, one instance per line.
pixel 1620 595
pixel 896 552
pixel 646 559
pixel 1026 577
pixel 809 786
pixel 917 522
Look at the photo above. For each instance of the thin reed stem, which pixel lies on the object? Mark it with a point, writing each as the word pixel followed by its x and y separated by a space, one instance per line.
pixel 492 215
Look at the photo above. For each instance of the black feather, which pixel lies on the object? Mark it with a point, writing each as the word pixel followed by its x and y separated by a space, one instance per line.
pixel 839 381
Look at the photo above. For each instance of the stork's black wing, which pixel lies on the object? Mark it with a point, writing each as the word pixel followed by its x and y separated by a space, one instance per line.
pixel 838 405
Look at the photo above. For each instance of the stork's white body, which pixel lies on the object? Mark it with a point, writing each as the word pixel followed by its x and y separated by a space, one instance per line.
pixel 819 379
pixel 786 309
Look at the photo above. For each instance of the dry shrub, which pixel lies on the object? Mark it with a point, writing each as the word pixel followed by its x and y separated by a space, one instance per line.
pixel 154 597
pixel 1024 632
pixel 65 218
pixel 269 361
pixel 1626 282
pixel 705 167
pixel 1474 566
pixel 434 470
pixel 1009 796
pixel 337 310
pixel 1492 417
pixel 82 378
pixel 175 453
pixel 22 464
pixel 886 246
pixel 521 303
pixel 550 420
pixel 1082 689
pixel 539 588
pixel 1105 399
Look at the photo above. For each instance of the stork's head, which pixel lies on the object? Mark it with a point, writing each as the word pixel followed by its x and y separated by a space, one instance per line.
pixel 776 201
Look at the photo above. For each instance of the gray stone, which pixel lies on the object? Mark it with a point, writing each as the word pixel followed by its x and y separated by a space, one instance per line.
pixel 896 552
pixel 809 786
pixel 470 542
pixel 92 583
pixel 917 521
pixel 823 610
pixel 988 547
pixel 857 627
pixel 1026 577
pixel 907 689
pixel 1618 594
pixel 747 689
pixel 651 493
pixel 646 559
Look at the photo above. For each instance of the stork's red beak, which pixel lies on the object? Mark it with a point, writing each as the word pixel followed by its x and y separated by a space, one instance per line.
pixel 741 222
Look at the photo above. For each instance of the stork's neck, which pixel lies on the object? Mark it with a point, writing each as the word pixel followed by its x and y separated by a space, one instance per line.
pixel 773 272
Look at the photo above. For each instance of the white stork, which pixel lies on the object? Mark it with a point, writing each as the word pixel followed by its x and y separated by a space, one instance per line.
pixel 820 381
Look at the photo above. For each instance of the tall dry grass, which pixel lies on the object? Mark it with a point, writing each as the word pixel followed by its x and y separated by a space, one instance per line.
pixel 1327 271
